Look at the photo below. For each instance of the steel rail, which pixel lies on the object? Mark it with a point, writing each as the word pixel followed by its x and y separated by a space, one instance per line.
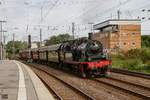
pixel 130 83
pixel 54 93
pixel 89 97
pixel 126 72
pixel 123 89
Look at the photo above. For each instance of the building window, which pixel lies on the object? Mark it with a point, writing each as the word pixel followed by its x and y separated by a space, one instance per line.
pixel 133 33
pixel 117 44
pixel 124 34
pixel 124 43
pixel 133 43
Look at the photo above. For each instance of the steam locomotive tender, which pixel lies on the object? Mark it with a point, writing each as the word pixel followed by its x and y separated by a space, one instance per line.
pixel 82 56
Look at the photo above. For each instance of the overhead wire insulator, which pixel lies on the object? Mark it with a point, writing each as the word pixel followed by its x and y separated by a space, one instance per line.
pixel 143 10
pixel 143 17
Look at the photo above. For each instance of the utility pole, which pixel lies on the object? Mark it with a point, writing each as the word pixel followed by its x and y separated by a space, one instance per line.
pixel 1 39
pixel 13 45
pixel 29 47
pixel 29 41
pixel 40 37
pixel 73 29
pixel 118 13
pixel 41 14
pixel 90 34
pixel 4 40
pixel 91 26
pixel 1 44
pixel 40 26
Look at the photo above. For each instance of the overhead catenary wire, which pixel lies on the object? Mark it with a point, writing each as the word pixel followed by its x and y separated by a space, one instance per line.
pixel 120 4
pixel 50 8
pixel 109 10
pixel 103 12
pixel 45 5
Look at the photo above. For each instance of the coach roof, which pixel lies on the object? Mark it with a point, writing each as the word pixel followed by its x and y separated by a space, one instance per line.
pixel 53 47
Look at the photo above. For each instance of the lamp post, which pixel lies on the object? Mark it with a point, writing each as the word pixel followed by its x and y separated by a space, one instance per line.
pixel 41 20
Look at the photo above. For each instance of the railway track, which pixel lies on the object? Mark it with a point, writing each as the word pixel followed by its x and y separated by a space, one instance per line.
pixel 111 87
pixel 52 91
pixel 135 89
pixel 126 72
pixel 129 86
pixel 65 90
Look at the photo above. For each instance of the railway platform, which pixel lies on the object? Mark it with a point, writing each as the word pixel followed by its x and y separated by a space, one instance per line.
pixel 19 82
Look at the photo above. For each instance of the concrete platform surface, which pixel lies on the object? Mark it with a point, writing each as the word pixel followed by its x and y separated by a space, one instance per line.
pixel 19 82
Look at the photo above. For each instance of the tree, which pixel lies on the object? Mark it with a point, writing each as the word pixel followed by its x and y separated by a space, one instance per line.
pixel 58 39
pixel 146 41
pixel 18 45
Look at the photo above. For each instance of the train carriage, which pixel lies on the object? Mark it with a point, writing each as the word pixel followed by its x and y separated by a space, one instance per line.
pixel 43 54
pixel 24 54
pixel 35 54
pixel 53 53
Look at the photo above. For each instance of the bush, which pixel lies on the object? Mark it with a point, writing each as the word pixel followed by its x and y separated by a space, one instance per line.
pixel 135 60
pixel 134 53
pixel 133 64
pixel 143 54
pixel 119 56
pixel 147 65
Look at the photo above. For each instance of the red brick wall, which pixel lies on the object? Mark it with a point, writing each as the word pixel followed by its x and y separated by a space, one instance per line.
pixel 127 37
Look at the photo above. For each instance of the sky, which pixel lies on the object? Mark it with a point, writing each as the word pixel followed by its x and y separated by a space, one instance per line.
pixel 55 17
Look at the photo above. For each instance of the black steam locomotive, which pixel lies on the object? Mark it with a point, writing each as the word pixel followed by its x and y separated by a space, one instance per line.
pixel 82 56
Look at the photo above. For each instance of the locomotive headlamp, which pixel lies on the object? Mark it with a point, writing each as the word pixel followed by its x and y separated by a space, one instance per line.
pixel 89 59
pixel 103 56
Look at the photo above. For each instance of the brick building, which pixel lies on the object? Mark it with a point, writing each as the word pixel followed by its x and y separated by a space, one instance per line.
pixel 123 34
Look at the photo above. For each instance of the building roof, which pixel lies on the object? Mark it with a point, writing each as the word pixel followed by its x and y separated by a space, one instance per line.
pixel 116 22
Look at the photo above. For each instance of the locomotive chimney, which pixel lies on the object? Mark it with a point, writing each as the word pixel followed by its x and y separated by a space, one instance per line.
pixel 90 36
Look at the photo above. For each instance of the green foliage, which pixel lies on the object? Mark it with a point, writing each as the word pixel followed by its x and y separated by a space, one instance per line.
pixel 143 54
pixel 135 60
pixel 146 41
pixel 18 45
pixel 134 53
pixel 133 64
pixel 58 39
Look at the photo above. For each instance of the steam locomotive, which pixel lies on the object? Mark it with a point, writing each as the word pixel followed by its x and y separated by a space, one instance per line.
pixel 81 56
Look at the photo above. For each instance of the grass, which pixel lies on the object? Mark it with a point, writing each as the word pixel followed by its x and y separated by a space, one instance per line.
pixel 132 64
